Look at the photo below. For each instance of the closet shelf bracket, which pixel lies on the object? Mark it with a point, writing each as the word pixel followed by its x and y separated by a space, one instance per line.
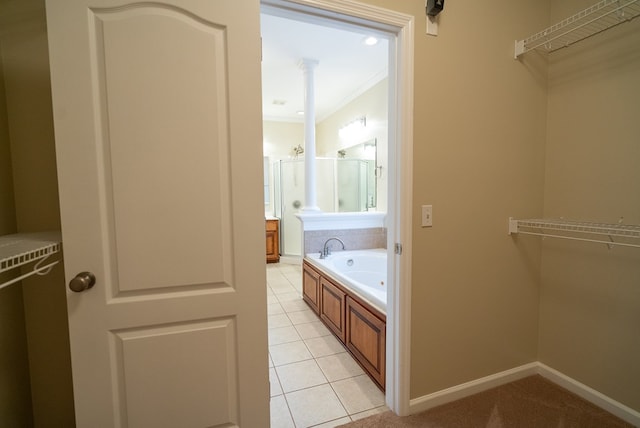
pixel 595 19
pixel 609 234
pixel 20 249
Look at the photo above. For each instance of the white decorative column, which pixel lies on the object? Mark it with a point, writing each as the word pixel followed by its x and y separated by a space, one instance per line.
pixel 310 198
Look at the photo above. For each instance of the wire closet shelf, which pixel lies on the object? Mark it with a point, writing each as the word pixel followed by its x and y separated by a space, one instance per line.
pixel 595 19
pixel 22 248
pixel 609 234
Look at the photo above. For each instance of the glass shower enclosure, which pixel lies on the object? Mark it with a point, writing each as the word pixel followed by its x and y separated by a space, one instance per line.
pixel 342 186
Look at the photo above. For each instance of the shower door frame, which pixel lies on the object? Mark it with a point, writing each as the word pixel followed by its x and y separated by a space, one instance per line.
pixel 400 29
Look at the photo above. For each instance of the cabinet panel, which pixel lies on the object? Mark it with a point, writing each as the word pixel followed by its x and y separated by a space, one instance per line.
pixel 366 339
pixel 311 287
pixel 273 247
pixel 360 328
pixel 332 306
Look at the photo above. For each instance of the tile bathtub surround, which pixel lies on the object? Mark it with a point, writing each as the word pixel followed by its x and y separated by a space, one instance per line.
pixel 314 380
pixel 354 239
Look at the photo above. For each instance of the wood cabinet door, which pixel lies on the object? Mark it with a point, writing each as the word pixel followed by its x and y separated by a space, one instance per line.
pixel 366 339
pixel 332 307
pixel 311 287
pixel 273 249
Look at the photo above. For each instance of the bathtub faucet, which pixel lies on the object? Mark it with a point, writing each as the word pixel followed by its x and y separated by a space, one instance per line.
pixel 326 250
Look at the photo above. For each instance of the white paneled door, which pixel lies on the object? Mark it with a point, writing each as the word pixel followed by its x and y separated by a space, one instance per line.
pixel 159 152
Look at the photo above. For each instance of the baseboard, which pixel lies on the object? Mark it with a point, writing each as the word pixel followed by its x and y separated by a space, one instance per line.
pixel 610 405
pixel 457 392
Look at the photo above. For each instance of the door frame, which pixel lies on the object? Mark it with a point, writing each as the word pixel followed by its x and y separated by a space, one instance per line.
pixel 400 172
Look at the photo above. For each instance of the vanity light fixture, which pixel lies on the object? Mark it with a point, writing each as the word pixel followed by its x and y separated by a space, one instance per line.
pixel 353 128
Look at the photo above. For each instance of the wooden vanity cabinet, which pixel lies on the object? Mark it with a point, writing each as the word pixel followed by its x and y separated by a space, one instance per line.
pixel 366 339
pixel 358 325
pixel 311 287
pixel 273 247
pixel 332 306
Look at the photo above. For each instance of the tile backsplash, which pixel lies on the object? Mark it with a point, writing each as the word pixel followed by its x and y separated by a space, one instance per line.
pixel 354 239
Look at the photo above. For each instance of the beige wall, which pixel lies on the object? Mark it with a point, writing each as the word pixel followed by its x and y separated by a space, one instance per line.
pixel 28 101
pixel 590 295
pixel 15 393
pixel 479 136
pixel 373 105
pixel 480 141
pixel 279 139
pixel 7 202
pixel 479 157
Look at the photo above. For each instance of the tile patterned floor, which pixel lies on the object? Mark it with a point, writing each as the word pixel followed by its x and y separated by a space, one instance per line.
pixel 314 381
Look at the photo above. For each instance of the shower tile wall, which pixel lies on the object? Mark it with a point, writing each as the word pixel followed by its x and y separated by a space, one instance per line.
pixel 354 239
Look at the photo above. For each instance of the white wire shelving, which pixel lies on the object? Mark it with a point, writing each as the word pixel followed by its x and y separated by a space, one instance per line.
pixel 22 248
pixel 595 19
pixel 627 235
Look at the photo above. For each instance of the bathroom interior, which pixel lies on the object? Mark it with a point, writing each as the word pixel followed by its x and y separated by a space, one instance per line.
pixel 350 92
pixel 545 135
pixel 350 87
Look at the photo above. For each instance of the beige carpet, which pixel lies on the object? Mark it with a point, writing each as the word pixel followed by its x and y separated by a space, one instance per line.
pixel 532 402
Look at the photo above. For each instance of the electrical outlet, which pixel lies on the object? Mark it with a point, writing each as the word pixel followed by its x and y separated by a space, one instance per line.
pixel 427 215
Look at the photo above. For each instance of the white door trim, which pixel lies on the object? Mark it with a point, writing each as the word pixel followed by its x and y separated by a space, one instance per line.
pixel 399 217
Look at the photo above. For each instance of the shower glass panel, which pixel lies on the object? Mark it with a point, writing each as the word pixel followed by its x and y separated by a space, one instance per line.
pixel 325 184
pixel 289 198
pixel 352 186
pixel 366 152
pixel 291 183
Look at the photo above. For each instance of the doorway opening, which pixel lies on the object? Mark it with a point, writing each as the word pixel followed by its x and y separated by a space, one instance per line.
pixel 390 193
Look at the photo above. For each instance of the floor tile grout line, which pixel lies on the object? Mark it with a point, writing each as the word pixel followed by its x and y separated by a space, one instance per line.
pixel 331 383
pixel 339 399
pixel 314 386
pixel 278 376
pixel 314 358
pixel 289 408
pixel 332 420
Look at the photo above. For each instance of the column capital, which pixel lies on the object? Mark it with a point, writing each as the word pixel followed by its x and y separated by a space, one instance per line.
pixel 308 63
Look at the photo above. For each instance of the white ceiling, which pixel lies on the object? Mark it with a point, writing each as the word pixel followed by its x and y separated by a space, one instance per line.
pixel 346 66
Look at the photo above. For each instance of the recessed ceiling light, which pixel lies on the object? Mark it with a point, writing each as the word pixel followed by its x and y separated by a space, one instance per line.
pixel 300 113
pixel 370 41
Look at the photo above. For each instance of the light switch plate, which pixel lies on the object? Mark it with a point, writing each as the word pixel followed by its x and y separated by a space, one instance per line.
pixel 427 215
pixel 432 26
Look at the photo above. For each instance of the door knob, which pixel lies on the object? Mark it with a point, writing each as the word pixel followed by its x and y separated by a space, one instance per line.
pixel 82 281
